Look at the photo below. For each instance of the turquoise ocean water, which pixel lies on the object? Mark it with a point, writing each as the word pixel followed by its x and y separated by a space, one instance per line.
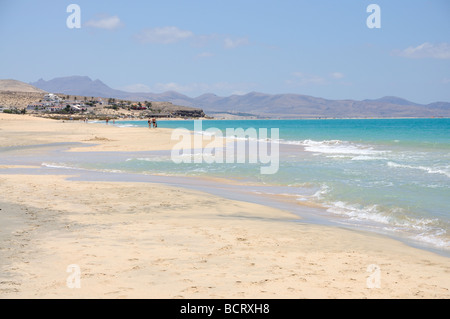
pixel 389 175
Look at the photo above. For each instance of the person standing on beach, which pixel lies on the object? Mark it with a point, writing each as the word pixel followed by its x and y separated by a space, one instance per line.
pixel 149 123
pixel 154 122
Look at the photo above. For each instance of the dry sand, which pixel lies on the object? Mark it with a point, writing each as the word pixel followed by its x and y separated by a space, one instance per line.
pixel 20 130
pixel 141 240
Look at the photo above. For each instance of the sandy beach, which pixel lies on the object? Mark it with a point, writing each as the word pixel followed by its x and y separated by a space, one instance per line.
pixel 143 240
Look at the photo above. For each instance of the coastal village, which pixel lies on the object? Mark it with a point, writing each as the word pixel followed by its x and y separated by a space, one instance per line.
pixel 21 98
pixel 57 106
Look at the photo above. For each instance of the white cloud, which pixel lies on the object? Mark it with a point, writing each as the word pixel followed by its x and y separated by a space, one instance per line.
pixel 164 35
pixel 337 75
pixel 231 44
pixel 107 23
pixel 426 50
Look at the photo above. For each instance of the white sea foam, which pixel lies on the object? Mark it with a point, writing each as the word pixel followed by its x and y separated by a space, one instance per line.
pixel 358 158
pixel 367 158
pixel 431 170
pixel 321 192
pixel 394 216
pixel 337 148
pixel 425 230
pixel 109 170
pixel 205 133
pixel 63 166
pixel 57 165
pixel 354 212
pixel 324 189
pixel 434 239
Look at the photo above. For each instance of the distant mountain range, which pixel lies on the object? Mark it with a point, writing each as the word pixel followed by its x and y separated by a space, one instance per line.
pixel 257 104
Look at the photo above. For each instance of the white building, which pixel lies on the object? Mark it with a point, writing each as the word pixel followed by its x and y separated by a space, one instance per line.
pixel 52 97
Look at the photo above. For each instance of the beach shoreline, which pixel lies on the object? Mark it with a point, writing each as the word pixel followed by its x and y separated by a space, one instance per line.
pixel 144 240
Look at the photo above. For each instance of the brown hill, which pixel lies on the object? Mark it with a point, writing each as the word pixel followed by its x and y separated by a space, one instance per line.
pixel 19 100
pixel 18 86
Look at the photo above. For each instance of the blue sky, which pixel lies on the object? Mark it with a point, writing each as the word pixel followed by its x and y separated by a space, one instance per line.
pixel 319 48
